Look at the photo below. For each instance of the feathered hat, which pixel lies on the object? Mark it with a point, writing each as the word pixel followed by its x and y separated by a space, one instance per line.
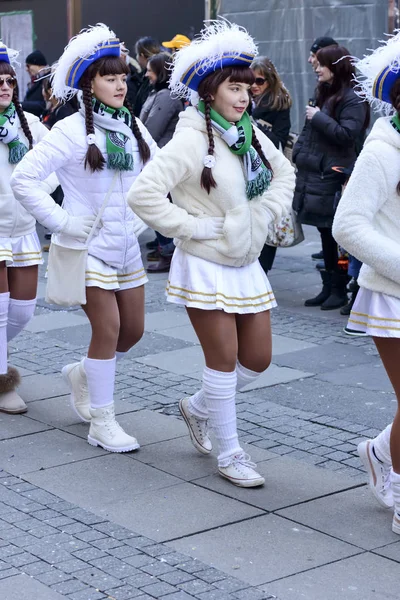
pixel 220 44
pixel 8 55
pixel 377 73
pixel 83 50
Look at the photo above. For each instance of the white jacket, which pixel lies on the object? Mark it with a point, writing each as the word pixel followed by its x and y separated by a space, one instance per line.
pixel 15 221
pixel 367 221
pixel 63 151
pixel 177 169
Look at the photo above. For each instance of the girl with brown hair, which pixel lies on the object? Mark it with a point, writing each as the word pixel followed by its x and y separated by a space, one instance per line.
pixel 20 252
pixel 228 183
pixel 86 150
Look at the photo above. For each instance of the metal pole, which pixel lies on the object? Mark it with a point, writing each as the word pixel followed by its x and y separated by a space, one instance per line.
pixel 74 16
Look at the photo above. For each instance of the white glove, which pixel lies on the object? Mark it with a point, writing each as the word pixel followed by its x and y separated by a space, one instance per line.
pixel 79 227
pixel 208 228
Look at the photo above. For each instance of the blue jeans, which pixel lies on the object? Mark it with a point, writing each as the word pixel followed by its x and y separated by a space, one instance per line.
pixel 166 245
pixel 354 266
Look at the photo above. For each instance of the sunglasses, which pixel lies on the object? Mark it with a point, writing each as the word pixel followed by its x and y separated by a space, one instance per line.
pixel 259 81
pixel 10 81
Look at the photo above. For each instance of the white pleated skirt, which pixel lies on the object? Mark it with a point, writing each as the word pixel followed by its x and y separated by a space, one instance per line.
pixel 23 251
pixel 198 283
pixel 100 274
pixel 375 313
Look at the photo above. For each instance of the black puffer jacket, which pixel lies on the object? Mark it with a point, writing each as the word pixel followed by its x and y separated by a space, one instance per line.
pixel 326 142
pixel 279 121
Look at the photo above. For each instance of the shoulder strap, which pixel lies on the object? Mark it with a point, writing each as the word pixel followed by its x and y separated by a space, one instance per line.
pixel 102 208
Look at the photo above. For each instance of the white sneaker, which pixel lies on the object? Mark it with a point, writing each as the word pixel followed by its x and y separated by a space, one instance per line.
pixel 75 376
pixel 378 473
pixel 198 428
pixel 106 432
pixel 241 471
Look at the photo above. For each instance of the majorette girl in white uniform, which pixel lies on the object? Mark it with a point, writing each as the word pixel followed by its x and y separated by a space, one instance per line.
pixel 367 224
pixel 228 184
pixel 84 150
pixel 20 252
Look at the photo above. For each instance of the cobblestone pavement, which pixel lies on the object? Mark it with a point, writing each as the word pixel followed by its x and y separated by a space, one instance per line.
pixel 325 393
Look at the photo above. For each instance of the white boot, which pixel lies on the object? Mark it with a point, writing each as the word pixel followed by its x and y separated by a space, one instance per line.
pixel 10 401
pixel 75 377
pixel 106 432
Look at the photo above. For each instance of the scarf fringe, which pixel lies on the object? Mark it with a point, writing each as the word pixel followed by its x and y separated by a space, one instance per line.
pixel 119 161
pixel 256 187
pixel 17 153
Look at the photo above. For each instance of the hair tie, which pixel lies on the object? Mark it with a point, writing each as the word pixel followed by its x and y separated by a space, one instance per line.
pixel 209 161
pixel 91 139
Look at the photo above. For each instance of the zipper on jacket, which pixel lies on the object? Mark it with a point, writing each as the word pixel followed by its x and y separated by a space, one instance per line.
pixel 124 219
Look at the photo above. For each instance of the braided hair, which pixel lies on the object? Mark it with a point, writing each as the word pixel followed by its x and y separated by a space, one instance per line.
pixel 6 69
pixel 107 65
pixel 207 89
pixel 94 159
pixel 207 180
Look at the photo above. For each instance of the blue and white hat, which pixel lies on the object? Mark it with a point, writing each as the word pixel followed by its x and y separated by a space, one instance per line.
pixel 377 72
pixel 83 50
pixel 220 44
pixel 8 55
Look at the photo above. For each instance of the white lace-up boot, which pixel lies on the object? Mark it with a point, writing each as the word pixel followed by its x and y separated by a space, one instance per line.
pixel 241 471
pixel 75 377
pixel 106 432
pixel 395 482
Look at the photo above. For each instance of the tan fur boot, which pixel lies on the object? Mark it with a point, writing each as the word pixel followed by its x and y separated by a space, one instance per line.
pixel 10 401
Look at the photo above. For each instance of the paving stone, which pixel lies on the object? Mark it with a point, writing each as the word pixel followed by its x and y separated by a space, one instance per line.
pixel 97 578
pixel 115 567
pixel 359 519
pixel 156 568
pixel 195 587
pixel 177 576
pixel 125 592
pixel 354 577
pixel 52 577
pixel 230 584
pixel 210 575
pixel 28 589
pixel 69 587
pixel 13 427
pixel 70 566
pixel 141 580
pixel 157 590
pixel 88 594
pixel 251 594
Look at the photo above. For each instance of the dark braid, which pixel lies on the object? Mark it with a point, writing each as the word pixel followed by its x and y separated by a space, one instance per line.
pixel 257 146
pixel 22 118
pixel 94 159
pixel 144 149
pixel 207 180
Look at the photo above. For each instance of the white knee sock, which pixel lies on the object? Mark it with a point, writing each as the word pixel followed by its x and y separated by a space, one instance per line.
pixel 20 312
pixel 197 403
pixel 244 376
pixel 381 445
pixel 101 378
pixel 4 302
pixel 220 391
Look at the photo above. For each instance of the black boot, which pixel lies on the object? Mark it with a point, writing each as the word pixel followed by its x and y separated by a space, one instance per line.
pixel 338 296
pixel 346 310
pixel 324 293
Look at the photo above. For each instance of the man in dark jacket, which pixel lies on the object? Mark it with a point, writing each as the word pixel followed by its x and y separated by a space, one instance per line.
pixel 36 65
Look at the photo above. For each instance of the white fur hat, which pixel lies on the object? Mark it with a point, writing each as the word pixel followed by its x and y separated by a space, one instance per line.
pixel 219 44
pixel 85 48
pixel 8 55
pixel 377 72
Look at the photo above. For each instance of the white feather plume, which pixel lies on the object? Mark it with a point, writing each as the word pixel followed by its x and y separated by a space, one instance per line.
pixel 12 55
pixel 207 49
pixel 369 67
pixel 82 45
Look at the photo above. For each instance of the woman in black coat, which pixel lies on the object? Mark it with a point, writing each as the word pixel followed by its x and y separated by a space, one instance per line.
pixel 271 113
pixel 330 138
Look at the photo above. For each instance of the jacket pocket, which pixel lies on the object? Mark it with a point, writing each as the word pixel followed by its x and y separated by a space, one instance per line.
pixel 237 233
